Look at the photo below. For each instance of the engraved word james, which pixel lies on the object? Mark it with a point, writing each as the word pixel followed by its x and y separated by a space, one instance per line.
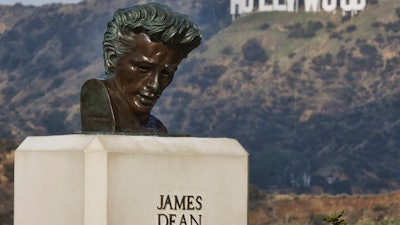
pixel 186 210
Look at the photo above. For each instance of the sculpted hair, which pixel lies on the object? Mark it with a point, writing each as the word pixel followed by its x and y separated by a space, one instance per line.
pixel 157 21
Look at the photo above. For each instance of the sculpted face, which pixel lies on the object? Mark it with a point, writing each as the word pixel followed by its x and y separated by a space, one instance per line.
pixel 144 72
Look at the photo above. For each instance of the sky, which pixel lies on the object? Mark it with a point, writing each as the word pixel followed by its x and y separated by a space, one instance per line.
pixel 36 2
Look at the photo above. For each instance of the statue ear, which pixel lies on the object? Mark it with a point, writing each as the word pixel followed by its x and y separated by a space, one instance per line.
pixel 111 60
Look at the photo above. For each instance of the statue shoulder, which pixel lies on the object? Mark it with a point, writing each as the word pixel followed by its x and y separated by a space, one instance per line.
pixel 93 84
pixel 96 110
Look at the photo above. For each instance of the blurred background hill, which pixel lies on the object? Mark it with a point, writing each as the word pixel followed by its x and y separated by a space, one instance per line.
pixel 314 97
pixel 47 52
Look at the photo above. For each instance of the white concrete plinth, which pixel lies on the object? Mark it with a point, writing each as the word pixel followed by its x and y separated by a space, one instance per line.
pixel 130 180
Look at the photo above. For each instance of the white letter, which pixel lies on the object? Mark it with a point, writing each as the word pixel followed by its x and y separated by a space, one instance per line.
pixel 353 5
pixel 279 7
pixel 329 7
pixel 243 6
pixel 263 6
pixel 311 5
pixel 248 5
pixel 290 5
pixel 359 5
pixel 346 7
pixel 234 5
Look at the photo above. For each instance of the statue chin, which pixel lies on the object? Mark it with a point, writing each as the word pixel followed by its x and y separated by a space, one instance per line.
pixel 104 110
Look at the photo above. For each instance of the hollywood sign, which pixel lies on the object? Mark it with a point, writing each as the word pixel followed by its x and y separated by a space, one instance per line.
pixel 239 7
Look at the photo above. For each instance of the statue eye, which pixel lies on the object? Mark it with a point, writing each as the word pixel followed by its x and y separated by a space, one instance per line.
pixel 166 74
pixel 143 68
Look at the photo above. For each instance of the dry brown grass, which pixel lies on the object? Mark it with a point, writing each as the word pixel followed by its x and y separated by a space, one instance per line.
pixel 308 209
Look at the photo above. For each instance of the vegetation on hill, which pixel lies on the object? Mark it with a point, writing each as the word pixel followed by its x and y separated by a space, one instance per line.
pixel 313 97
pixel 47 52
pixel 11 14
pixel 7 148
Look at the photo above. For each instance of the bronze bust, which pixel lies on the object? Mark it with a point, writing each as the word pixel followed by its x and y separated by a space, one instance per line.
pixel 143 46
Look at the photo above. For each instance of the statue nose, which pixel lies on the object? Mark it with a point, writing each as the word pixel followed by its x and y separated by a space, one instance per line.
pixel 154 83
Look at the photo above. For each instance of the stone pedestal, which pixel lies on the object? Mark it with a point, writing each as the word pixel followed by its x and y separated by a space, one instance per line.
pixel 130 180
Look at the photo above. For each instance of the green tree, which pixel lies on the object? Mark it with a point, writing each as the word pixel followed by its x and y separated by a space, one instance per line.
pixel 336 219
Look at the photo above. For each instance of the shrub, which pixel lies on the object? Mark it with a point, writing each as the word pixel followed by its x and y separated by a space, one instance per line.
pixel 208 75
pixel 7 145
pixel 346 18
pixel 296 68
pixel 376 24
pixel 57 82
pixel 314 26
pixel 54 122
pixel 368 50
pixel 351 28
pixel 256 194
pixel 297 30
pixel 398 12
pixel 227 50
pixel 9 92
pixel 336 219
pixel 253 51
pixel 335 35
pixel 330 26
pixel 264 26
pixel 393 26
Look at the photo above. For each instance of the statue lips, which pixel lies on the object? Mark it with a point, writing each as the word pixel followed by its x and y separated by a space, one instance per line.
pixel 147 98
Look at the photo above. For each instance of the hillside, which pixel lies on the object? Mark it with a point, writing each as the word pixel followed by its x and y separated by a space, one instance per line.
pixel 7 148
pixel 10 15
pixel 314 97
pixel 47 52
